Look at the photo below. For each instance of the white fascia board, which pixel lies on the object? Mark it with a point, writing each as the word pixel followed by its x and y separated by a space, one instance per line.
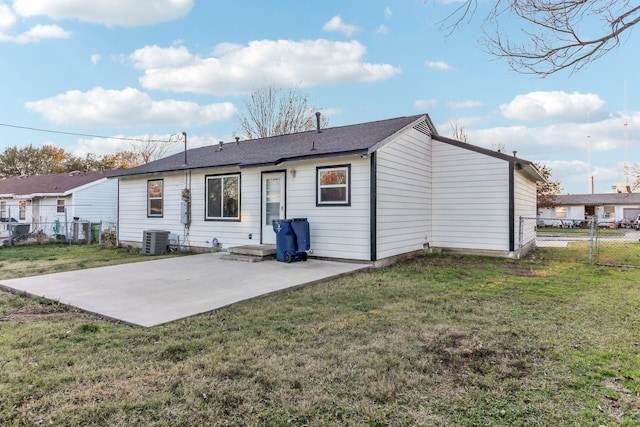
pixel 82 187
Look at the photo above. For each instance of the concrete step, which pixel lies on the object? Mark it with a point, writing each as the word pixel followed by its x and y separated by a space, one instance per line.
pixel 251 253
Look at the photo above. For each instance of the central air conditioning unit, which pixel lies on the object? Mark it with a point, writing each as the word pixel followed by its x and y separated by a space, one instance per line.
pixel 154 242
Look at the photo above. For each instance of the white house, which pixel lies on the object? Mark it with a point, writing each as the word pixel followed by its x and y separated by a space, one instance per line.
pixel 370 192
pixel 614 207
pixel 46 201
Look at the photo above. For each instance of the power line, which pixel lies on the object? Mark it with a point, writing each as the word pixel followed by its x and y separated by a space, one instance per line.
pixel 87 135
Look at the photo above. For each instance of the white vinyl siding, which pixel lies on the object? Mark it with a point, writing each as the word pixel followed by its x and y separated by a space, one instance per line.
pixel 201 233
pixel 95 202
pixel 335 231
pixel 403 195
pixel 470 200
pixel 525 200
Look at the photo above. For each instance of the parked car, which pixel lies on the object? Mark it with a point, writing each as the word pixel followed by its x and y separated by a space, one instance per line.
pixel 636 222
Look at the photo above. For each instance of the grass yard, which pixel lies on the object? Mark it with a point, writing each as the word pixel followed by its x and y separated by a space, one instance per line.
pixel 436 341
pixel 33 260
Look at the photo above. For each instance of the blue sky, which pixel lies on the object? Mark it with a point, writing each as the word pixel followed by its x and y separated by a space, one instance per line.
pixel 153 68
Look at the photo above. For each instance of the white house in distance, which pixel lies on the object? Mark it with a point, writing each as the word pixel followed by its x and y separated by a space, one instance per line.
pixel 614 207
pixel 46 200
pixel 370 192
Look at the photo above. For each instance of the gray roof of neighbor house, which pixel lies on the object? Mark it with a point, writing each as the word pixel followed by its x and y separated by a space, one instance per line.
pixel 598 199
pixel 54 184
pixel 362 138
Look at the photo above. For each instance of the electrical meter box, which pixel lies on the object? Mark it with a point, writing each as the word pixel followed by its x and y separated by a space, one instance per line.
pixel 185 214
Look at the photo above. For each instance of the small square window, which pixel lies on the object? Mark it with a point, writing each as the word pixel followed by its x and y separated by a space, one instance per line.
pixel 333 186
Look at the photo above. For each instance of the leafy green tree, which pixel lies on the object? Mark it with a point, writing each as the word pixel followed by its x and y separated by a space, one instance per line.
pixel 50 159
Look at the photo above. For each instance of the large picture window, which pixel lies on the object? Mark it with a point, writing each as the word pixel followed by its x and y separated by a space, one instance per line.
pixel 333 185
pixel 155 197
pixel 223 197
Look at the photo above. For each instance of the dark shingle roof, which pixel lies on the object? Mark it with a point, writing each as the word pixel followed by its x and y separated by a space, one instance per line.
pixel 49 184
pixel 328 142
pixel 598 199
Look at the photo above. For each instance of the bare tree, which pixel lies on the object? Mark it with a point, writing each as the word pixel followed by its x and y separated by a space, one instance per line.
pixel 271 111
pixel 458 132
pixel 555 34
pixel 634 173
pixel 150 149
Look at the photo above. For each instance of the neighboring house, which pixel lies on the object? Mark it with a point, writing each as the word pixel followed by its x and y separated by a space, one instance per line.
pixel 369 191
pixel 45 200
pixel 608 206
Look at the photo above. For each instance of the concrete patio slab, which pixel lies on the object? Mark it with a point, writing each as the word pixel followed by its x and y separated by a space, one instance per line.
pixel 159 291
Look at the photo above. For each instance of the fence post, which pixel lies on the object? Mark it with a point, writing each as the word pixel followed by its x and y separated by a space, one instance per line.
pixel 591 238
pixel 520 238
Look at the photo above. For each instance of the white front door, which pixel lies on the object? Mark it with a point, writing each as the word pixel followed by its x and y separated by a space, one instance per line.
pixel 273 202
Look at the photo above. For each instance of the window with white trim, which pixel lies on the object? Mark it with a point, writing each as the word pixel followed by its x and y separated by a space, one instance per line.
pixel 155 198
pixel 22 210
pixel 223 197
pixel 333 185
pixel 60 206
pixel 3 209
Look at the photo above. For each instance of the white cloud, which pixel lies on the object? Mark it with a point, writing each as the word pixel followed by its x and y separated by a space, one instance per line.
pixel 125 13
pixel 7 18
pixel 125 108
pixel 39 32
pixel 464 104
pixel 95 58
pixel 565 149
pixel 336 24
pixel 555 105
pixel 438 65
pixel 154 57
pixel 387 12
pixel 423 104
pixel 383 29
pixel 234 71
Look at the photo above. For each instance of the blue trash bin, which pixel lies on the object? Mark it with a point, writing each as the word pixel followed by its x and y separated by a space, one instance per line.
pixel 285 240
pixel 300 227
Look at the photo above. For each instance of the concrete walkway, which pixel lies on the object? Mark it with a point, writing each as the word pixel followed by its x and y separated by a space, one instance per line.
pixel 158 291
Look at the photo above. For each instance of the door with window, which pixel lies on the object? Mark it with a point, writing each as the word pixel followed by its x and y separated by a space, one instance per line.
pixel 273 203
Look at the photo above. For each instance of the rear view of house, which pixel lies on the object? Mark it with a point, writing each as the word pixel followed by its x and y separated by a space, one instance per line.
pixel 370 192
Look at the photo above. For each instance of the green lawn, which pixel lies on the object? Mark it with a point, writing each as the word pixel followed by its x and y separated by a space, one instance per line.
pixel 439 340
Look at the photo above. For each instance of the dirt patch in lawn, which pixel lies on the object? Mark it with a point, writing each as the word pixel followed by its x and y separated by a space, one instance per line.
pixel 526 272
pixel 54 313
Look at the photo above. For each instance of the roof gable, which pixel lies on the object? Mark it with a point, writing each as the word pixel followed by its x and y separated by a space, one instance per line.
pixel 526 166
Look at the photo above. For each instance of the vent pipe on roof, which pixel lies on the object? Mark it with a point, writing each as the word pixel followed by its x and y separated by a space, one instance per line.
pixel 318 121
pixel 219 145
pixel 237 140
pixel 184 134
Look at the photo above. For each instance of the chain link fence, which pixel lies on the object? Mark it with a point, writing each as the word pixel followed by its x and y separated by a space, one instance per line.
pixel 76 231
pixel 599 240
